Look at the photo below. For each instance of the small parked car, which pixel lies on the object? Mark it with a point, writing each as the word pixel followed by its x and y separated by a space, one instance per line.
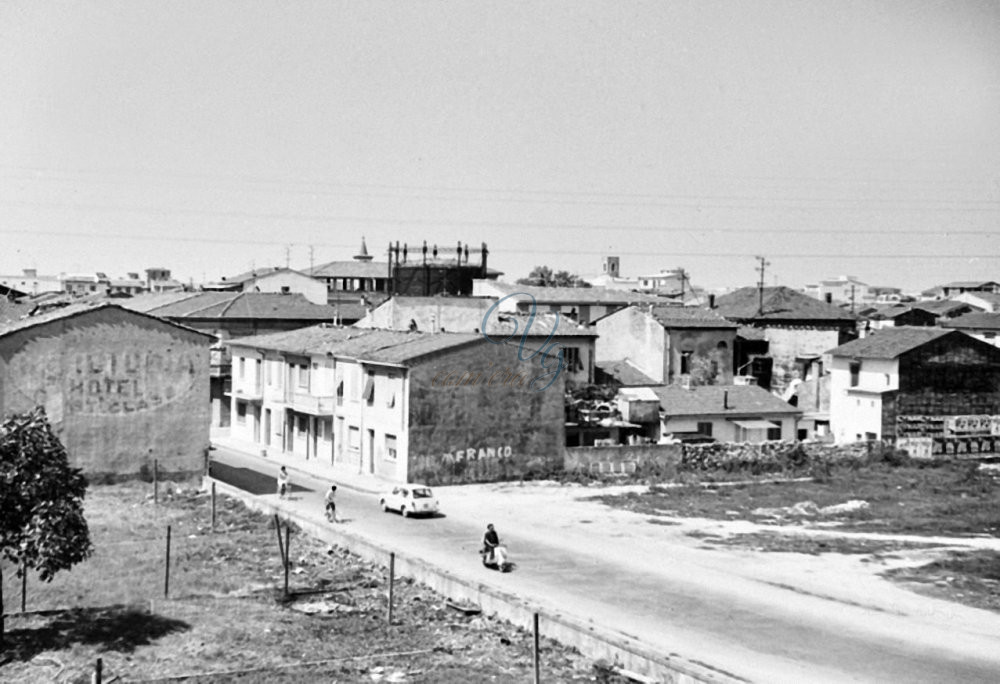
pixel 410 499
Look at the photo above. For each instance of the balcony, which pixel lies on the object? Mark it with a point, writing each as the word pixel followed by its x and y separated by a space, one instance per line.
pixel 248 392
pixel 312 404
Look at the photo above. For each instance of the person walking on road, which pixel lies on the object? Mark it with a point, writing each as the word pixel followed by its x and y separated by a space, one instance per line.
pixel 284 485
pixel 331 505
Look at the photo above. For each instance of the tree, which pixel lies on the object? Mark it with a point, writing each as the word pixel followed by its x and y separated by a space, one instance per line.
pixel 42 527
pixel 542 276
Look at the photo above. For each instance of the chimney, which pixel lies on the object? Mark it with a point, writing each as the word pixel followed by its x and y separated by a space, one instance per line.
pixel 711 301
pixel 725 399
pixel 30 273
pixel 829 298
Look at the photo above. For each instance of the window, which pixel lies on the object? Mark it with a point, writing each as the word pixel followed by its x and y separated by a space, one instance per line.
pixel 340 393
pixel 269 373
pixel 392 401
pixel 303 373
pixel 855 373
pixel 571 359
pixel 773 434
pixel 705 429
pixel 285 289
pixel 303 423
pixel 369 392
pixel 390 447
pixel 243 367
pixel 685 362
pixel 354 438
pixel 241 412
pixel 888 380
pixel 256 372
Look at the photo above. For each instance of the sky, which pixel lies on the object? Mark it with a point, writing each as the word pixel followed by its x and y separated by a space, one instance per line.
pixel 214 136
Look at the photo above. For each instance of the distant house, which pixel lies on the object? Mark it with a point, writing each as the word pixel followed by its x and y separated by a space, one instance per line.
pixel 845 288
pixel 667 343
pixel 575 342
pixel 582 304
pixel 128 286
pixel 983 301
pixel 725 413
pixel 273 280
pixel 402 406
pixel 122 389
pixel 895 315
pixel 959 287
pixel 983 326
pixel 797 329
pixel 30 283
pixel 945 308
pixel 914 383
pixel 159 280
pixel 84 283
pixel 672 285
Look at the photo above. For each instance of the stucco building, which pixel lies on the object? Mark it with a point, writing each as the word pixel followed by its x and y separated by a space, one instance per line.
pixel 121 388
pixel 403 406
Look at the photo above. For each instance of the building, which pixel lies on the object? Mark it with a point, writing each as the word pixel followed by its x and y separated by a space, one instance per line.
pixel 159 280
pixel 944 309
pixel 667 344
pixel 474 315
pixel 901 384
pixel 796 328
pixel 122 389
pixel 582 304
pixel 274 280
pixel 227 315
pixel 84 283
pixel 404 406
pixel 128 286
pixel 896 315
pixel 949 290
pixel 434 272
pixel 982 301
pixel 672 284
pixel 724 413
pixel 845 288
pixel 30 283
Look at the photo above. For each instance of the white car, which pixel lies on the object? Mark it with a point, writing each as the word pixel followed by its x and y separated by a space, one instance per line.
pixel 409 499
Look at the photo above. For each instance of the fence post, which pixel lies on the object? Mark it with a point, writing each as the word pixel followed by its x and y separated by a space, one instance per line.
pixel 537 667
pixel 213 506
pixel 288 549
pixel 392 581
pixel 156 481
pixel 98 671
pixel 24 585
pixel 166 573
pixel 277 530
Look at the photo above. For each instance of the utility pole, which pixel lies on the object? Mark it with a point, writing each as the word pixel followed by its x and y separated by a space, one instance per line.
pixel 760 288
pixel 852 297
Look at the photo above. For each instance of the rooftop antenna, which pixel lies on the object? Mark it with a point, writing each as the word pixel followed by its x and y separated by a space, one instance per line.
pixel 760 288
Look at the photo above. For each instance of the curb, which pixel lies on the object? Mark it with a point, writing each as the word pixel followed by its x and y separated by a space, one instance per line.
pixel 625 651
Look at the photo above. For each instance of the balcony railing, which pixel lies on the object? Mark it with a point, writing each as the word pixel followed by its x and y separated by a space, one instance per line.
pixel 312 404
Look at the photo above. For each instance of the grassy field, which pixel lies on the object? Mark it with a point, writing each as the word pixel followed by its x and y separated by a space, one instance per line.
pixel 946 499
pixel 226 618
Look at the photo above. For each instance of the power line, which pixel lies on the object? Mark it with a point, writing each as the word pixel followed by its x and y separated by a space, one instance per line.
pixel 367 220
pixel 532 249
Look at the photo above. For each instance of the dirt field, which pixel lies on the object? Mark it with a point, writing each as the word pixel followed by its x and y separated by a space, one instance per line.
pixel 227 618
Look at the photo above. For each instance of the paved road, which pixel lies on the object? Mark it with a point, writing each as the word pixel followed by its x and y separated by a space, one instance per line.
pixel 666 596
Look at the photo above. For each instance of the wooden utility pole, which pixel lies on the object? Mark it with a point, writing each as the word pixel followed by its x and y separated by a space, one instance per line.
pixel 760 287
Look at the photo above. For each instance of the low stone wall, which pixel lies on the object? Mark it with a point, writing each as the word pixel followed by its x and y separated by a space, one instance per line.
pixel 624 459
pixel 764 457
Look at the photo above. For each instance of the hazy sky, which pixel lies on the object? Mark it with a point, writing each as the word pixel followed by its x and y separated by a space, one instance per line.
pixel 211 136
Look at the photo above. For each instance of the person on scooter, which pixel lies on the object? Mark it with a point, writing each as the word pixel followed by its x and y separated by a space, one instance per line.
pixel 331 505
pixel 491 545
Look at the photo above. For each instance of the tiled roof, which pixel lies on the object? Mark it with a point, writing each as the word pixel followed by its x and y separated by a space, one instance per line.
pixel 241 305
pixel 689 317
pixel 350 269
pixel 942 307
pixel 577 295
pixel 975 321
pixel 969 283
pixel 625 373
pixel 889 343
pixel 780 303
pixel 150 301
pixel 704 400
pixel 77 309
pixel 386 346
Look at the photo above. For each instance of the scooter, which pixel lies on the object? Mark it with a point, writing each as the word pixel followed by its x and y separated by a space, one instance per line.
pixel 496 558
